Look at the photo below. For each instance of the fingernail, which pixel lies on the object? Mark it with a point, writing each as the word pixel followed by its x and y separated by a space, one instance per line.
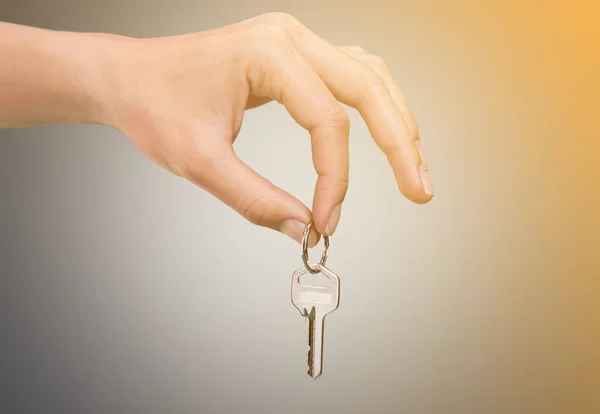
pixel 427 186
pixel 334 218
pixel 295 230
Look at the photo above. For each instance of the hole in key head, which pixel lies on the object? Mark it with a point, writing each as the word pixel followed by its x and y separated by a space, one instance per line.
pixel 318 279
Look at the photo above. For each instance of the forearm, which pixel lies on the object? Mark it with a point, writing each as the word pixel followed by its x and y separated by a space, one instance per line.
pixel 49 77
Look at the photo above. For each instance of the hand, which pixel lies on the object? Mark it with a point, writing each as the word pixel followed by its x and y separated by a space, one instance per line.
pixel 181 100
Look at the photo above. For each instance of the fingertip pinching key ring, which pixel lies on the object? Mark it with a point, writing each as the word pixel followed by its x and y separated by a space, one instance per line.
pixel 316 269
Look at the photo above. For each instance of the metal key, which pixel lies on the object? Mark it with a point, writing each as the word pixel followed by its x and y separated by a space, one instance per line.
pixel 314 303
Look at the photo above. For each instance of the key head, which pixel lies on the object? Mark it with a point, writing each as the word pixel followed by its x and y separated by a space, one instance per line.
pixel 324 299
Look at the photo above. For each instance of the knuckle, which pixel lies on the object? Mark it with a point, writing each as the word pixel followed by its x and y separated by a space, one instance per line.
pixel 373 81
pixel 343 185
pixel 277 33
pixel 373 85
pixel 357 48
pixel 255 209
pixel 377 61
pixel 273 33
pixel 335 182
pixel 282 18
pixel 337 118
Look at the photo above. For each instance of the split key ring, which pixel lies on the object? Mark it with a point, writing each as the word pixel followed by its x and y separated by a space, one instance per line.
pixel 317 268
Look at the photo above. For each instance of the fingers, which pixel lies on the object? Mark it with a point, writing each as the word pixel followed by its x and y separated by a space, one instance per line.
pixel 378 66
pixel 356 84
pixel 283 75
pixel 219 171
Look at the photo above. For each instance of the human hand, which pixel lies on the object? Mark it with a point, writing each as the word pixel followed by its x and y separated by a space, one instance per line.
pixel 181 100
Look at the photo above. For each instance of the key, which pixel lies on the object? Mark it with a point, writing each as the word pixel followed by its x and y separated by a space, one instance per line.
pixel 314 303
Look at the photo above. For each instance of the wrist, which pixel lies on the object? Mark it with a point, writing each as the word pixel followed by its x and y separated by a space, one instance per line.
pixel 101 81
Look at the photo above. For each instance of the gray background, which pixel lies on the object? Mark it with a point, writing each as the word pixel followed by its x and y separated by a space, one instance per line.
pixel 125 289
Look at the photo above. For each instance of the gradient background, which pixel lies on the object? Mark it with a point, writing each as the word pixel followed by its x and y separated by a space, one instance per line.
pixel 125 289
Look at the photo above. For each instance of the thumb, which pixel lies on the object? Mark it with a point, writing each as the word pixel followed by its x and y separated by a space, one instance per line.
pixel 254 197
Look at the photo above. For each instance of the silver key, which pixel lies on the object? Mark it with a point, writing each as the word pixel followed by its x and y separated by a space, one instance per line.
pixel 314 303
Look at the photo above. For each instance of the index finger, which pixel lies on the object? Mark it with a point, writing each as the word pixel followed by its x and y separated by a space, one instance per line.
pixel 283 75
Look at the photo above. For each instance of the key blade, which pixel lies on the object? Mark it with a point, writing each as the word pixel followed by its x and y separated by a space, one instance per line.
pixel 310 318
pixel 315 302
pixel 315 340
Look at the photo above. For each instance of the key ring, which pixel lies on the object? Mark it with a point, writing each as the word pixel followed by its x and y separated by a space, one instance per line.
pixel 316 269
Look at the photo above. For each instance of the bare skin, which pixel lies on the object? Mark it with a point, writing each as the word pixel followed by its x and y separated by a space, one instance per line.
pixel 181 100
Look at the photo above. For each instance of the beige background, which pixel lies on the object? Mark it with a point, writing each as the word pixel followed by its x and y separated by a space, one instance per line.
pixel 127 290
